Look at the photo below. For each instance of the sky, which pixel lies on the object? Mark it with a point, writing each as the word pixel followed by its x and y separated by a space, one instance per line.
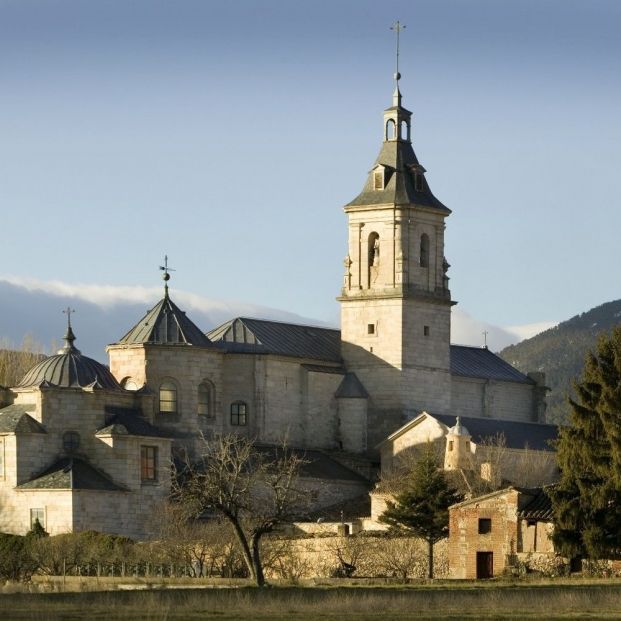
pixel 230 135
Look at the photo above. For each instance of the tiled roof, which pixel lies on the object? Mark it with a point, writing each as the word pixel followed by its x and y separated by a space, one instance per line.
pixel 260 336
pixel 481 362
pixel 165 324
pixel 518 435
pixel 15 419
pixel 535 504
pixel 72 473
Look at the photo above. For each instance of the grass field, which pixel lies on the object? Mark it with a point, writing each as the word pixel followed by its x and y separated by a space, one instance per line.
pixel 566 601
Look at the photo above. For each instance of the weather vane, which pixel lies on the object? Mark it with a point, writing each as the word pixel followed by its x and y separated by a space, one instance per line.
pixel 397 27
pixel 166 275
pixel 68 312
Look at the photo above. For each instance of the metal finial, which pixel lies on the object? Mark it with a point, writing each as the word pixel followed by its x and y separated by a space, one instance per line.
pixel 397 27
pixel 485 333
pixel 68 312
pixel 166 275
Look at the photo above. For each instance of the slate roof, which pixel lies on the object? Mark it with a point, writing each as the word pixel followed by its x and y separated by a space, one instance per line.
pixel 129 422
pixel 350 509
pixel 165 324
pixel 16 419
pixel 518 435
pixel 535 504
pixel 317 464
pixel 481 362
pixel 351 388
pixel 260 336
pixel 70 369
pixel 72 473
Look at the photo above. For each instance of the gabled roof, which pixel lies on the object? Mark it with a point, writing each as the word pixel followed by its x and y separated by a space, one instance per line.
pixel 517 434
pixel 260 336
pixel 130 422
pixel 400 161
pixel 72 473
pixel 480 362
pixel 165 324
pixel 351 388
pixel 535 504
pixel 15 419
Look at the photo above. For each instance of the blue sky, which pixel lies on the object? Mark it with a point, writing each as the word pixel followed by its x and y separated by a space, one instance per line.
pixel 230 135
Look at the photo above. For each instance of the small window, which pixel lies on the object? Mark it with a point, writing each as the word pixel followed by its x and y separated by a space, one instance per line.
pixel 168 398
pixel 450 445
pixel 378 180
pixel 239 413
pixel 37 515
pixel 71 441
pixel 391 129
pixel 424 250
pixel 371 328
pixel 204 400
pixel 426 330
pixel 485 526
pixel 405 133
pixel 418 182
pixel 148 464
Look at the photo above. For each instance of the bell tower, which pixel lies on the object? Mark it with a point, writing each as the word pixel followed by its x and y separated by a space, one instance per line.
pixel 395 300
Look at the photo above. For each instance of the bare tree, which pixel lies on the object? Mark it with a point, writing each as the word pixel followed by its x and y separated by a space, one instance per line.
pixel 251 487
pixel 15 361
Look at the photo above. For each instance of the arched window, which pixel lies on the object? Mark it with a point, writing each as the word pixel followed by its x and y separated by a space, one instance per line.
pixel 374 250
pixel 205 407
pixel 405 131
pixel 168 397
pixel 424 250
pixel 239 414
pixel 129 383
pixel 391 130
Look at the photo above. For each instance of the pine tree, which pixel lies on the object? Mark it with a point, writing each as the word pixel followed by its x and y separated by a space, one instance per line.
pixel 422 508
pixel 587 500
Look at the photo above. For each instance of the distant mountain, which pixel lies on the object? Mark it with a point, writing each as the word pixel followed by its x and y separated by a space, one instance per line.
pixel 559 352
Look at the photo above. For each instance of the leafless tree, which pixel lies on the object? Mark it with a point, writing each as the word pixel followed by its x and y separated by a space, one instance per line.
pixel 15 361
pixel 253 488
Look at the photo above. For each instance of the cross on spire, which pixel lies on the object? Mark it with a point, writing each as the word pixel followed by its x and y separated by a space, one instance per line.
pixel 68 312
pixel 397 27
pixel 166 275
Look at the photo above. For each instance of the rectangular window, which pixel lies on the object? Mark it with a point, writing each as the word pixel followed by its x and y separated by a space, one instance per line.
pixel 238 414
pixel 426 331
pixel 37 514
pixel 485 526
pixel 378 181
pixel 371 328
pixel 148 464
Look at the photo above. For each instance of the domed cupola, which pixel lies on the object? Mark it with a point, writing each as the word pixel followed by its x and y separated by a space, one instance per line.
pixel 69 369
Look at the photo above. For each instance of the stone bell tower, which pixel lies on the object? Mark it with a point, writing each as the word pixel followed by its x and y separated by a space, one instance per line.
pixel 395 300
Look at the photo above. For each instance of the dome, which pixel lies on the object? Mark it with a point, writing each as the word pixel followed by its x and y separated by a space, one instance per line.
pixel 70 369
pixel 458 429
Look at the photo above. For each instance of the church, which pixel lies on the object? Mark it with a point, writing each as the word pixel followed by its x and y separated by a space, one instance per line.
pixel 85 446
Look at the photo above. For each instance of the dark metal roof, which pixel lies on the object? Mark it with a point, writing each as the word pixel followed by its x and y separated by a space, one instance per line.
pixel 70 369
pixel 15 419
pixel 165 324
pixel 482 363
pixel 317 465
pixel 518 435
pixel 399 188
pixel 72 473
pixel 535 504
pixel 129 422
pixel 351 388
pixel 260 336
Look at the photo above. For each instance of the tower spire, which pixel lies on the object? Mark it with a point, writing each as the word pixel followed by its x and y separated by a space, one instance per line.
pixel 166 275
pixel 69 337
pixel 397 27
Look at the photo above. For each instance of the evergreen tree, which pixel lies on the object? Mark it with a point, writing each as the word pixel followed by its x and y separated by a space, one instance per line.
pixel 587 500
pixel 422 508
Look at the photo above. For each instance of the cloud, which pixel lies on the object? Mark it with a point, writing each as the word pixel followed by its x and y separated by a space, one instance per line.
pixel 529 330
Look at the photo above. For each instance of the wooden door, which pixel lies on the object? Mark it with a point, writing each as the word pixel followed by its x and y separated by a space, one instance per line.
pixel 485 565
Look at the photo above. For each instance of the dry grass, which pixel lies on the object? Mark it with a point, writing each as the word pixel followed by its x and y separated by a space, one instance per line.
pixel 599 601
